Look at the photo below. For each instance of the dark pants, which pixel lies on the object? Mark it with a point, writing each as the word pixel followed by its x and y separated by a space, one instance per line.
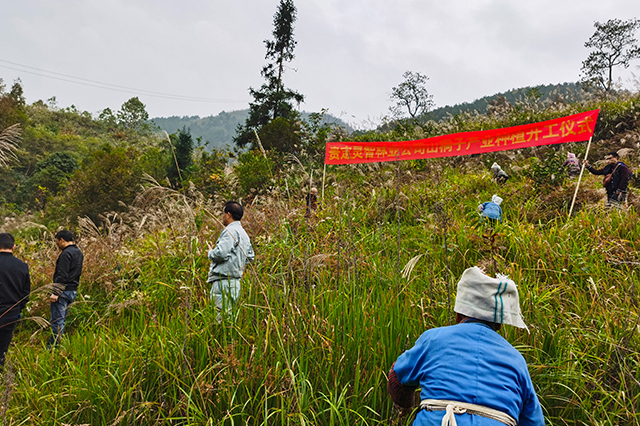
pixel 7 326
pixel 617 197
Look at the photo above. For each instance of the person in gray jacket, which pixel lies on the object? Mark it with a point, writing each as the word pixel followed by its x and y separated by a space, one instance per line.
pixel 228 258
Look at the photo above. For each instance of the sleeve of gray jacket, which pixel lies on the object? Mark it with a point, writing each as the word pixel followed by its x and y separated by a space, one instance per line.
pixel 250 253
pixel 224 247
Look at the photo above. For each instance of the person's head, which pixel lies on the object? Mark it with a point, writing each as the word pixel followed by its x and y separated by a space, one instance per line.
pixel 612 157
pixel 7 242
pixel 491 300
pixel 496 199
pixel 64 238
pixel 495 167
pixel 232 211
pixel 314 191
pixel 570 155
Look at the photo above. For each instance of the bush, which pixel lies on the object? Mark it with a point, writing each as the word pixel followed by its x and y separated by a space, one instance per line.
pixel 254 171
pixel 106 181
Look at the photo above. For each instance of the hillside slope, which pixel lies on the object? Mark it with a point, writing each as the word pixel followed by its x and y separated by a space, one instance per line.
pixel 220 129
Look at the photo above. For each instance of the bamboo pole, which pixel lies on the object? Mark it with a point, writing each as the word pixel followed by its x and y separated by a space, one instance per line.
pixel 324 174
pixel 575 194
pixel 174 155
pixel 264 154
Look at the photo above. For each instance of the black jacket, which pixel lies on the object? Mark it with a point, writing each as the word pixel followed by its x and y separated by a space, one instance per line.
pixel 620 178
pixel 15 285
pixel 68 269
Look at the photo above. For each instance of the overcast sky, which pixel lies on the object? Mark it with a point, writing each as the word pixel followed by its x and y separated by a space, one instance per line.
pixel 349 55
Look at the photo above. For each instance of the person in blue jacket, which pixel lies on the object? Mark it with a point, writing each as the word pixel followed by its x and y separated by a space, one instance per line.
pixel 468 373
pixel 491 210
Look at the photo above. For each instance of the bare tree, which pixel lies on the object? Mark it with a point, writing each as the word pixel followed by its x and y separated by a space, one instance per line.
pixel 9 139
pixel 614 45
pixel 411 94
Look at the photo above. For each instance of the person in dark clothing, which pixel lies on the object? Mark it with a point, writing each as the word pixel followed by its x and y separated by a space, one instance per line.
pixel 66 279
pixel 15 286
pixel 312 202
pixel 620 173
pixel 498 175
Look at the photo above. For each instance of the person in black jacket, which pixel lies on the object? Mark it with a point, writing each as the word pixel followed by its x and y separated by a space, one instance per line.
pixel 15 286
pixel 66 279
pixel 620 173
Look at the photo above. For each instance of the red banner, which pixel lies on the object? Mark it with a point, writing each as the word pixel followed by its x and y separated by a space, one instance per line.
pixel 573 128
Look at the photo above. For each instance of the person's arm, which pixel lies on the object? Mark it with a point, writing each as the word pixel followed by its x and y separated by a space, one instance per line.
pixel 625 173
pixel 63 268
pixel 223 248
pixel 531 414
pixel 603 171
pixel 26 290
pixel 62 274
pixel 401 395
pixel 251 255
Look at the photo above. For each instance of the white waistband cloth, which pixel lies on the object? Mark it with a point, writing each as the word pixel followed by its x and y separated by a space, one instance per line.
pixel 455 407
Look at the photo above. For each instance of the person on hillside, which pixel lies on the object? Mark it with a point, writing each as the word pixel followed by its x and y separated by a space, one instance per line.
pixel 468 373
pixel 228 258
pixel 491 211
pixel 66 279
pixel 616 179
pixel 499 175
pixel 312 202
pixel 572 164
pixel 15 286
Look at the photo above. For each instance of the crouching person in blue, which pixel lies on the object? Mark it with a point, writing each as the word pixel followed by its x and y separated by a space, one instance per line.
pixel 491 211
pixel 228 258
pixel 469 374
pixel 66 280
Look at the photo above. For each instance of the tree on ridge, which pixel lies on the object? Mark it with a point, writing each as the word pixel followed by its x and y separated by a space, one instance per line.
pixel 615 45
pixel 273 100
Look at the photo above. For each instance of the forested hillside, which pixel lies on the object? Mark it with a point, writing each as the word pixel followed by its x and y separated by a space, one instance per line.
pixel 566 92
pixel 220 129
pixel 217 130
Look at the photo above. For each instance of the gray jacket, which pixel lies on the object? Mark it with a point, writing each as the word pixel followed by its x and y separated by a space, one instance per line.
pixel 231 254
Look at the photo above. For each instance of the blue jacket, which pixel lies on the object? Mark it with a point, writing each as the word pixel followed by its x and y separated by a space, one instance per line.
pixel 492 210
pixel 471 363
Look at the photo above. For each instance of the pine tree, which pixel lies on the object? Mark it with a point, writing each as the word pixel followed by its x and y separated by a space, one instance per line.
pixel 273 100
pixel 615 45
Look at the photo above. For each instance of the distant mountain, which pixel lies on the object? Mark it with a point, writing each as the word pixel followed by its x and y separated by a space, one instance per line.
pixel 217 130
pixel 542 93
pixel 220 129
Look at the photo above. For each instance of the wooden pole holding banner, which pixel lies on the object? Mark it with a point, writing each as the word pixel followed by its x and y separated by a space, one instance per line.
pixel 575 194
pixel 324 174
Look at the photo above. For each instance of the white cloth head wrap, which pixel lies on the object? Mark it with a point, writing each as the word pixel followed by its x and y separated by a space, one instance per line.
pixel 488 299
pixel 496 199
pixel 495 166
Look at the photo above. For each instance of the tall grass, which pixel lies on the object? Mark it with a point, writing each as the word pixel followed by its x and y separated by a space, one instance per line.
pixel 324 310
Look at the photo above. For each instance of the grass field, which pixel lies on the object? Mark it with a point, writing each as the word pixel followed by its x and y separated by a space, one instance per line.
pixel 328 305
